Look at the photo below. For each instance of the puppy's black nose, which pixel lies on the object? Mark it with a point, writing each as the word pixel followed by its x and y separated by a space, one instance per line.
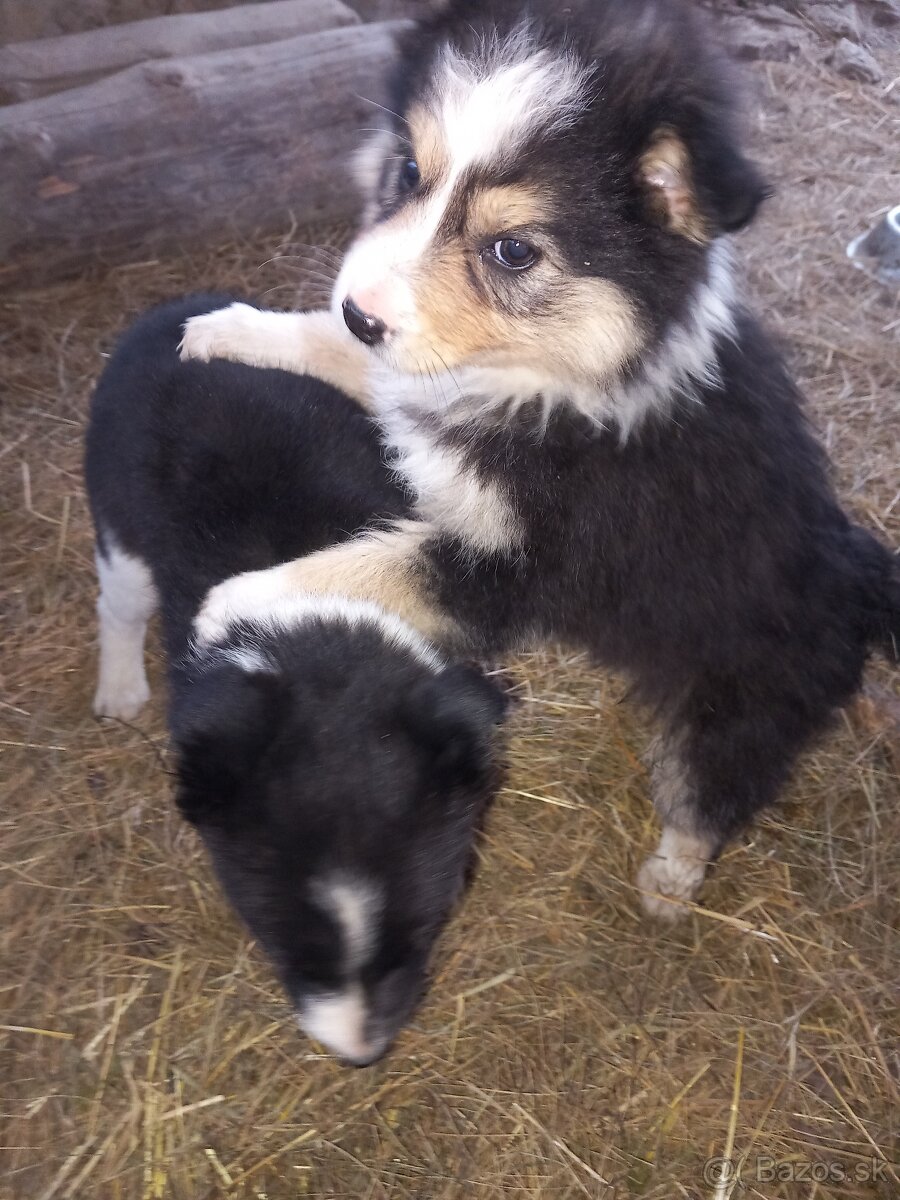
pixel 367 328
pixel 361 1063
pixel 369 1057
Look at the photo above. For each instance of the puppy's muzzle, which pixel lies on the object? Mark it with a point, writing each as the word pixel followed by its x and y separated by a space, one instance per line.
pixel 367 1057
pixel 369 329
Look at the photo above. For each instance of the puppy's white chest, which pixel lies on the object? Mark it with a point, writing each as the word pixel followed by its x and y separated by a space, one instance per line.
pixel 449 492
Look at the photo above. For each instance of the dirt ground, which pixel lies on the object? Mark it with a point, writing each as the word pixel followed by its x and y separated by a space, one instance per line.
pixel 568 1048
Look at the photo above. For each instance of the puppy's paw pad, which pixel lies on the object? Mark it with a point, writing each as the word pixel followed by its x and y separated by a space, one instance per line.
pixel 670 880
pixel 219 334
pixel 121 700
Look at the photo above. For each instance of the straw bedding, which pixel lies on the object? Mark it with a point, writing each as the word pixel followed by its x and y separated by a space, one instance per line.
pixel 567 1048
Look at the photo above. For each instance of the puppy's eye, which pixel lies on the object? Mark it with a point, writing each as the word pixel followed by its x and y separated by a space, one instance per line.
pixel 514 254
pixel 409 174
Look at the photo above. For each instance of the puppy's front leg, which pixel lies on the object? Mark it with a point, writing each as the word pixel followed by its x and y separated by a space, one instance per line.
pixel 380 568
pixel 310 343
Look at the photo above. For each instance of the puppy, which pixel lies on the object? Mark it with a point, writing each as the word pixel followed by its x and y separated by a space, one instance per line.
pixel 335 764
pixel 604 447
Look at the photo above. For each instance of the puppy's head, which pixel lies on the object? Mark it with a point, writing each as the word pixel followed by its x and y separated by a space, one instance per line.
pixel 337 776
pixel 546 197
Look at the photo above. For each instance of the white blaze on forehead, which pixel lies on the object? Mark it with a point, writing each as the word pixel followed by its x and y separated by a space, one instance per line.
pixel 489 104
pixel 355 904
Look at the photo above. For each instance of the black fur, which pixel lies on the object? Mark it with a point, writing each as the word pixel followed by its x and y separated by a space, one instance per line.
pixel 705 556
pixel 349 757
pixel 215 468
pixel 654 68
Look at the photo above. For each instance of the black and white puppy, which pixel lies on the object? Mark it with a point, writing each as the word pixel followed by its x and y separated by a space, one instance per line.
pixel 603 445
pixel 335 764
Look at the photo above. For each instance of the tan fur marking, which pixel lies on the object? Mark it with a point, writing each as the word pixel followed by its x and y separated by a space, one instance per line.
pixel 590 331
pixel 455 321
pixel 381 568
pixel 665 171
pixel 594 331
pixel 499 209
pixel 428 144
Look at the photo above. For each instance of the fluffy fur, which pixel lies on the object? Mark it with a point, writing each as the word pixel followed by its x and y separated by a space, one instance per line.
pixel 603 445
pixel 333 761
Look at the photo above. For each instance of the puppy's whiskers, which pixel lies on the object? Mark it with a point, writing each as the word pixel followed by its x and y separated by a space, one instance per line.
pixel 459 390
pixel 306 293
pixel 390 112
pixel 306 259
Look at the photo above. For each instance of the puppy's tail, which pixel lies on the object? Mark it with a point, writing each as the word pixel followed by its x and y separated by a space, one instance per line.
pixel 888 632
pixel 882 614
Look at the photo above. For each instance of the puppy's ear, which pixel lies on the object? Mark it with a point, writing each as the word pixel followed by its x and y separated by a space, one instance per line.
pixel 224 723
pixel 453 715
pixel 714 190
pixel 729 185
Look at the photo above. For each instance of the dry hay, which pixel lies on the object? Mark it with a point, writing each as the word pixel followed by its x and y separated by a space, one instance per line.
pixel 147 1051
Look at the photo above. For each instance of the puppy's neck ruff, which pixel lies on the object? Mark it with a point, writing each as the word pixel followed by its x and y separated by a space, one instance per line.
pixel 257 613
pixel 676 369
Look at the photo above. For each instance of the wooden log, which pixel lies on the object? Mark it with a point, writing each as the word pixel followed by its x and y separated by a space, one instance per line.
pixel 164 154
pixel 390 10
pixel 32 69
pixel 23 19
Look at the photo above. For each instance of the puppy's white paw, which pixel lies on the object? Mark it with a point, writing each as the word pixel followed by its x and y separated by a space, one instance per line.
pixel 121 698
pixel 676 871
pixel 226 333
pixel 247 597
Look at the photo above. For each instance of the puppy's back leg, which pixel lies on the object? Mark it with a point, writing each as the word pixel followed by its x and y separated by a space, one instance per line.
pixel 126 603
pixel 677 867
pixel 725 758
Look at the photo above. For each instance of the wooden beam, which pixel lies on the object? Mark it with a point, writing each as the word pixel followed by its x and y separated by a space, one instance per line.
pixel 39 68
pixel 164 154
pixel 23 19
pixel 389 10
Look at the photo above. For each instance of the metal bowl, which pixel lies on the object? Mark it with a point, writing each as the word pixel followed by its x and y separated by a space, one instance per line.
pixel 878 251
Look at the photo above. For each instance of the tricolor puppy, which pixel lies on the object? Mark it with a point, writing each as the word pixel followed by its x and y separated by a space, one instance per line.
pixel 334 762
pixel 603 445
